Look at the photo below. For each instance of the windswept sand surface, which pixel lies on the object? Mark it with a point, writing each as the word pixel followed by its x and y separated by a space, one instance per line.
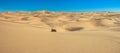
pixel 90 33
pixel 64 21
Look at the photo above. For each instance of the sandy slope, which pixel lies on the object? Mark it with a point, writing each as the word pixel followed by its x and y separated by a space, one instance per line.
pixel 84 32
pixel 24 38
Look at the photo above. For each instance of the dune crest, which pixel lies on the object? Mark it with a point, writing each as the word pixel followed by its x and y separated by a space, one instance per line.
pixel 63 20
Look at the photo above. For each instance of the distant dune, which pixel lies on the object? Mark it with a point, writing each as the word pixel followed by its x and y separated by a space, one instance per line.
pixel 78 32
pixel 63 20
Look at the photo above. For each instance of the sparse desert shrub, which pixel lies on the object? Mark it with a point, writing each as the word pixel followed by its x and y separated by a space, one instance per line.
pixel 116 22
pixel 97 22
pixel 36 16
pixel 113 15
pixel 115 29
pixel 74 28
pixel 25 18
pixel 6 17
pixel 53 30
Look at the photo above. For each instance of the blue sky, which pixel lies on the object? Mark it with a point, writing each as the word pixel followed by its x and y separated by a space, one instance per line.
pixel 60 5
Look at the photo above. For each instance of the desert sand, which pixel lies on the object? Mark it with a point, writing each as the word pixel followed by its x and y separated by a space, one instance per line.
pixel 78 32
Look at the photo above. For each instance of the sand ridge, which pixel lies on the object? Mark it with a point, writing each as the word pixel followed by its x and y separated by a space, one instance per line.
pixel 80 32
pixel 63 20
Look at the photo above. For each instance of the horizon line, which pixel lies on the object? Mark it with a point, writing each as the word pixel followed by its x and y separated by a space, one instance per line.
pixel 55 11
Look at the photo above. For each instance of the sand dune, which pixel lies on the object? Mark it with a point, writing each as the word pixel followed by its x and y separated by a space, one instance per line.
pixel 84 32
pixel 23 38
pixel 61 20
